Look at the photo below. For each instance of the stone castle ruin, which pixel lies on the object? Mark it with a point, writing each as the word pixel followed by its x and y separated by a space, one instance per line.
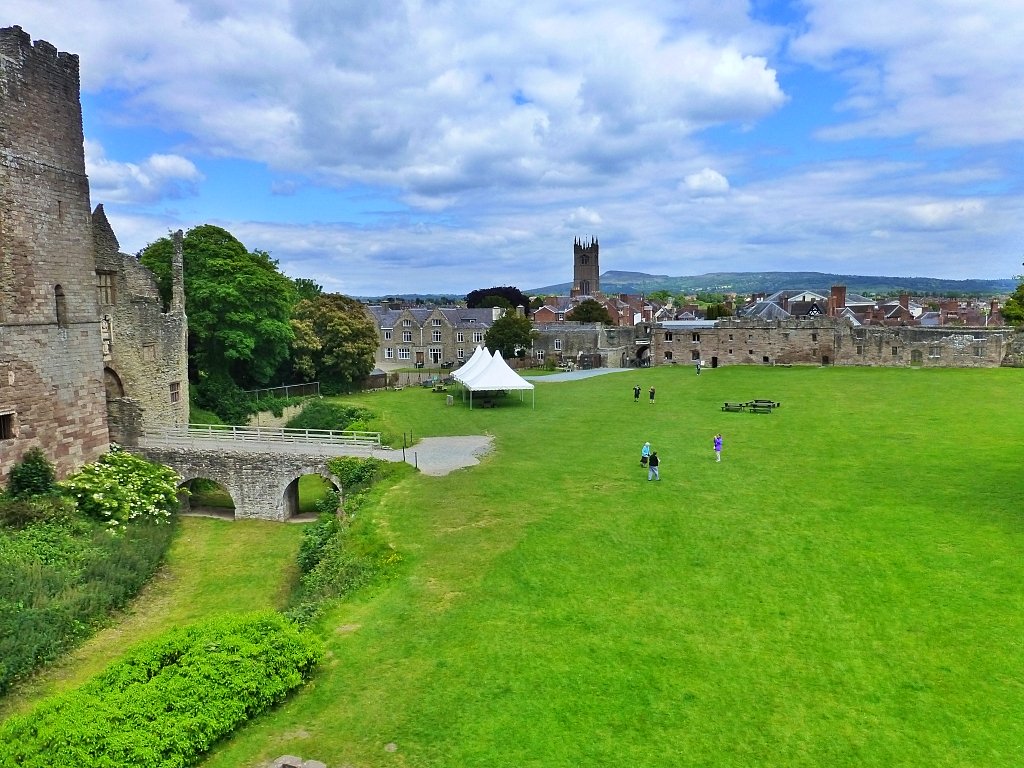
pixel 88 354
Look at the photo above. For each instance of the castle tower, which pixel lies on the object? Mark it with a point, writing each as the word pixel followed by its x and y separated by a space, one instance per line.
pixel 586 271
pixel 51 370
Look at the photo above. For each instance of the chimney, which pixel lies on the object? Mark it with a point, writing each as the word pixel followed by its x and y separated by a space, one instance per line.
pixel 993 307
pixel 785 302
pixel 550 301
pixel 495 313
pixel 521 310
pixel 178 275
pixel 905 301
pixel 838 302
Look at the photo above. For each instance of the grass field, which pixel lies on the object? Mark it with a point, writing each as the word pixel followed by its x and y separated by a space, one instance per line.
pixel 845 588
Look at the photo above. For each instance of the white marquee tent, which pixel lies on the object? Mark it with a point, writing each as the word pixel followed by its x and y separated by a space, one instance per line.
pixel 479 357
pixel 492 374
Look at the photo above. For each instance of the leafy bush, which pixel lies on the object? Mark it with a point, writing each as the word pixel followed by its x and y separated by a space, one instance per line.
pixel 168 701
pixel 60 577
pixel 121 486
pixel 356 473
pixel 220 395
pixel 32 476
pixel 17 513
pixel 324 414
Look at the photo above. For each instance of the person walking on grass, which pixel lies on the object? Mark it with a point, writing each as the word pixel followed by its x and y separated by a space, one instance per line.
pixel 645 454
pixel 651 393
pixel 718 447
pixel 652 467
pixel 698 367
pixel 636 394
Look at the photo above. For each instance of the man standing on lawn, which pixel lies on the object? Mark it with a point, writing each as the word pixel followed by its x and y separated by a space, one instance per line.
pixel 636 394
pixel 651 393
pixel 718 447
pixel 652 467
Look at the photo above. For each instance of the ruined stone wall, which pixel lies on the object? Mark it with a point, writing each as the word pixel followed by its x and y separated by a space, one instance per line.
pixel 145 348
pixel 824 341
pixel 51 375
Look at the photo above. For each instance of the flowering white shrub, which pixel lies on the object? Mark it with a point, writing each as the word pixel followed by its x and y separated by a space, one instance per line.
pixel 121 487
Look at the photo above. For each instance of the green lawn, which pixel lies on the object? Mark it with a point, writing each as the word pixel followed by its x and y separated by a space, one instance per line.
pixel 845 588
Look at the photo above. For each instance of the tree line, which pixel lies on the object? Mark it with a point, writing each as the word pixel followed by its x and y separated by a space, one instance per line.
pixel 250 326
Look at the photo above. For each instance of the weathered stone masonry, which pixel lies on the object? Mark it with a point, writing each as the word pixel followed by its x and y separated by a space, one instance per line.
pixel 51 375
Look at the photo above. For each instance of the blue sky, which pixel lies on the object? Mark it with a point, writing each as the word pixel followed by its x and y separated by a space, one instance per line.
pixel 442 146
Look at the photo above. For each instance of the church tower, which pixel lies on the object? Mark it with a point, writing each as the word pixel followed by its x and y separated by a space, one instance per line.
pixel 586 271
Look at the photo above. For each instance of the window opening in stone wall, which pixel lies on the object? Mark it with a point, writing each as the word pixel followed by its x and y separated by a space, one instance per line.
pixel 435 321
pixel 668 354
pixel 407 337
pixel 695 354
pixel 175 392
pixel 403 353
pixel 61 306
pixel 460 353
pixel 895 351
pixel 668 336
pixel 105 288
pixel 934 351
pixel 387 334
pixel 478 337
pixel 764 359
pixel 696 337
pixel 460 337
pixel 7 426
pixel 407 322
pixel 860 349
pixel 558 344
pixel 388 353
pixel 540 354
pixel 435 336
pixel 979 350
pixel 60 210
pixel 814 337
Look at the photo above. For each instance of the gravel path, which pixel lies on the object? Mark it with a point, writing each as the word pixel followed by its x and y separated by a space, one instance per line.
pixel 440 455
pixel 577 375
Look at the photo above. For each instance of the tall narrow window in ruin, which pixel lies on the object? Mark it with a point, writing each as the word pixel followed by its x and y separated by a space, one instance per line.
pixel 175 391
pixel 6 426
pixel 61 305
pixel 105 288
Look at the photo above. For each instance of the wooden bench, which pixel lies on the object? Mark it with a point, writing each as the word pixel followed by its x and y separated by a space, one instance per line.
pixel 768 403
pixel 760 408
pixel 733 407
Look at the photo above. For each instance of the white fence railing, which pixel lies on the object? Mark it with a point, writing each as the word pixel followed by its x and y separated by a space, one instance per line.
pixel 266 435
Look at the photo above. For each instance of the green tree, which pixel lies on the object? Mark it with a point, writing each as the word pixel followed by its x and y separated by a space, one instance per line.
pixel 238 306
pixel 510 293
pixel 335 340
pixel 510 334
pixel 306 288
pixel 1013 309
pixel 661 296
pixel 589 311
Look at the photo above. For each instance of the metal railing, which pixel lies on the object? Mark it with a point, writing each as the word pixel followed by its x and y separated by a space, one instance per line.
pixel 312 389
pixel 266 435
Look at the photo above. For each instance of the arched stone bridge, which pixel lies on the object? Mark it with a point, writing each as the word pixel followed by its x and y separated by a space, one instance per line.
pixel 263 476
pixel 264 485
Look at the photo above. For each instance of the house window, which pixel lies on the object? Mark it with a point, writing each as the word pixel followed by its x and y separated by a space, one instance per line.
pixel 561 315
pixel 389 353
pixel 668 335
pixel 730 351
pixel 540 354
pixel 435 336
pixel 7 431
pixel 403 353
pixel 435 321
pixel 478 337
pixel 407 337
pixel 387 334
pixel 175 392
pixel 105 287
pixel 149 353
pixel 460 353
pixel 895 351
pixel 460 337
pixel 558 344
pixel 934 351
pixel 814 336
pixel 730 337
pixel 696 337
pixel 407 322
pixel 435 355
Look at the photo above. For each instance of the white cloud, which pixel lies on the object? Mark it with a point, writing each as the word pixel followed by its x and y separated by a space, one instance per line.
pixel 706 183
pixel 158 177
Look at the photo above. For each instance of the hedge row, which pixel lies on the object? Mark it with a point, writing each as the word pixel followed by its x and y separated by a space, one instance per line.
pixel 169 700
pixel 59 577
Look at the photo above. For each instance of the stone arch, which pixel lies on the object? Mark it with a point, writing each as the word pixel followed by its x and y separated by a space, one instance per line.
pixel 112 384
pixel 289 495
pixel 642 358
pixel 185 502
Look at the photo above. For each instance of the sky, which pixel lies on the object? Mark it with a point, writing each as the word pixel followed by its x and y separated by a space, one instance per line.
pixel 435 146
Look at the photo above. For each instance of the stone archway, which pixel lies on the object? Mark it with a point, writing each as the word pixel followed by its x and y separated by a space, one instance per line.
pixel 290 494
pixel 112 384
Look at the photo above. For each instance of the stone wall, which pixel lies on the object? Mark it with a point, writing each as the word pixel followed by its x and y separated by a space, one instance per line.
pixel 51 373
pixel 146 348
pixel 825 341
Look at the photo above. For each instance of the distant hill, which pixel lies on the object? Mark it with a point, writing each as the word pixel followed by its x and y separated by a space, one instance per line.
pixel 745 283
